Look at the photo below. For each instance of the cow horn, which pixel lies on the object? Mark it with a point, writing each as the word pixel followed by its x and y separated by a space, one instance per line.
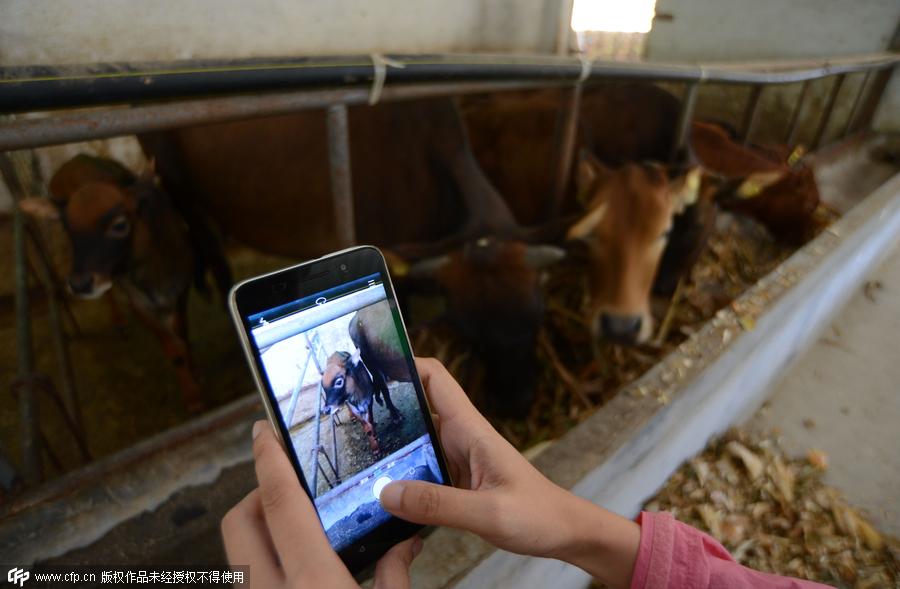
pixel 583 228
pixel 542 256
pixel 754 184
pixel 427 267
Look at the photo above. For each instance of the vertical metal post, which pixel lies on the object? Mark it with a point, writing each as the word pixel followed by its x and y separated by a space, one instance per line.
pixel 750 112
pixel 61 351
pixel 341 180
pixel 688 102
pixel 315 452
pixel 826 112
pixel 794 125
pixel 567 132
pixel 32 467
pixel 854 110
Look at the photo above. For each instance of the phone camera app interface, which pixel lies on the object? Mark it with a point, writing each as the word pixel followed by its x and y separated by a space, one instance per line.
pixel 338 368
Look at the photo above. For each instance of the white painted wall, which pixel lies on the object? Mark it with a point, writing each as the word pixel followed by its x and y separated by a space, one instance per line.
pixel 87 31
pixel 734 30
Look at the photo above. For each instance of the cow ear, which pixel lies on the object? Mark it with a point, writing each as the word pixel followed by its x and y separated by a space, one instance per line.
pixel 40 208
pixel 543 256
pixel 754 184
pixel 585 226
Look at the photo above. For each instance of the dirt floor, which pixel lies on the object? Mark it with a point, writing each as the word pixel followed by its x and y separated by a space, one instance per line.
pixel 353 453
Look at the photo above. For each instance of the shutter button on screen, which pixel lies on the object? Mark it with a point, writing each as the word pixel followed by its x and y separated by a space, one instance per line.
pixel 379 485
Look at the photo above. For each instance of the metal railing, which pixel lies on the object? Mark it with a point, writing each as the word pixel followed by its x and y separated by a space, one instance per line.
pixel 165 96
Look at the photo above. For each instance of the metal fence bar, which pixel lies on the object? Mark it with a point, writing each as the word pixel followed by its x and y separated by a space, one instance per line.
pixel 341 179
pixel 854 110
pixel 112 122
pixel 84 126
pixel 750 113
pixel 29 88
pixel 565 147
pixel 826 112
pixel 794 125
pixel 32 465
pixel 688 102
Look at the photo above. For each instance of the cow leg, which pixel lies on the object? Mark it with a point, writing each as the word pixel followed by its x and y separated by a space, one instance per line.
pixel 368 427
pixel 171 330
pixel 382 392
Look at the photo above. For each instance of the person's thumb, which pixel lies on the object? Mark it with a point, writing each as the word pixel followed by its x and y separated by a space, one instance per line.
pixel 427 503
pixel 392 570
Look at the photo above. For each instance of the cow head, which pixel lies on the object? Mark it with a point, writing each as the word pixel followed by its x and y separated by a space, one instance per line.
pixel 99 204
pixel 335 381
pixel 629 216
pixel 773 185
pixel 494 299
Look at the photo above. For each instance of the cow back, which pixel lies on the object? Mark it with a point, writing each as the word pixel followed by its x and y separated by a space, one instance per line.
pixel 373 331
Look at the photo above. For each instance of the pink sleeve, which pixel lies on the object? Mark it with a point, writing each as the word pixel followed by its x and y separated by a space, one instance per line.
pixel 673 555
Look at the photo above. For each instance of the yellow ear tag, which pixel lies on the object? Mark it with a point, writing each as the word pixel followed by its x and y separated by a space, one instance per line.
pixel 796 156
pixel 749 189
pixel 397 266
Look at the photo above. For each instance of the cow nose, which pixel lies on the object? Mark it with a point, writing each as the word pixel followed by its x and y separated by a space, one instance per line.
pixel 622 328
pixel 81 283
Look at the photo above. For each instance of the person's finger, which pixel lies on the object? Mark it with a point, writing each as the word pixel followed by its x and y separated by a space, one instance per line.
pixel 247 542
pixel 392 569
pixel 426 503
pixel 445 396
pixel 289 514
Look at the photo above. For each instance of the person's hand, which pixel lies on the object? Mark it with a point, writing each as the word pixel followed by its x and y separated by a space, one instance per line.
pixel 275 531
pixel 504 499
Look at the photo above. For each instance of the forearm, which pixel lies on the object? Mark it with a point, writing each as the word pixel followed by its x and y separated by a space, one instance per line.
pixel 600 542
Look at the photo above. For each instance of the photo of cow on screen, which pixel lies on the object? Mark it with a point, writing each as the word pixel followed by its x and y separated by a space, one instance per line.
pixel 342 380
pixel 348 380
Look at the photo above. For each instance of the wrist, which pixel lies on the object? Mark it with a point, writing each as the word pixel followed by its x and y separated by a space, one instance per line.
pixel 600 542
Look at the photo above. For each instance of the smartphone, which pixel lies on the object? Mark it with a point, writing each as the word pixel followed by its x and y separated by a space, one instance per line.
pixel 330 355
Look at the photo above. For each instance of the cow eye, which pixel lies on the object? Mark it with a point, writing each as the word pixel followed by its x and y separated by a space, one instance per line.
pixel 119 227
pixel 338 382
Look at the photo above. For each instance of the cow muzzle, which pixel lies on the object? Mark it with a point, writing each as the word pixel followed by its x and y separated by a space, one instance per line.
pixel 624 329
pixel 88 285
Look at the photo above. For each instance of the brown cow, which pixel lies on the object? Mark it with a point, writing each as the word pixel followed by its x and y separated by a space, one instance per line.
pixel 347 382
pixel 626 229
pixel 771 185
pixel 415 181
pixel 124 231
pixel 628 208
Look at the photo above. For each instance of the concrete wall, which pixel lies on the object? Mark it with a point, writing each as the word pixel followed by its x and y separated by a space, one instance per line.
pixel 736 30
pixel 85 31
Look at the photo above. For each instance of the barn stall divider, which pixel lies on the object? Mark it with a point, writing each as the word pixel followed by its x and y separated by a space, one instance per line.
pixel 170 490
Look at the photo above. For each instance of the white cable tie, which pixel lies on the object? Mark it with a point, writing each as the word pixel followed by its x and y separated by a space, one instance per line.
pixel 586 65
pixel 380 64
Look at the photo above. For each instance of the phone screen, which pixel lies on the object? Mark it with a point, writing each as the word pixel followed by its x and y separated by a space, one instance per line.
pixel 340 375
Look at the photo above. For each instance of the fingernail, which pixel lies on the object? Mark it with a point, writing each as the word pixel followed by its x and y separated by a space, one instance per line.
pixel 417 546
pixel 258 427
pixel 392 495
